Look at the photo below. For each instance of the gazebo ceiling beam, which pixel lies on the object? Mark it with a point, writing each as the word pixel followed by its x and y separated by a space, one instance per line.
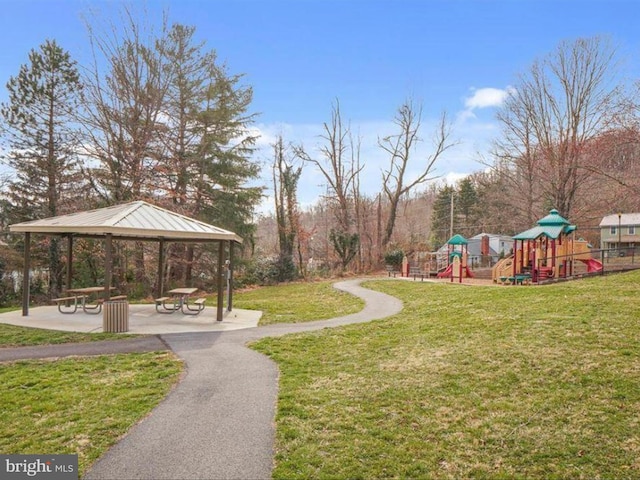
pixel 136 238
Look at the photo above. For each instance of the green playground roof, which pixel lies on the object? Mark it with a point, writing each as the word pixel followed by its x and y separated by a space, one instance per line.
pixel 551 226
pixel 554 218
pixel 457 240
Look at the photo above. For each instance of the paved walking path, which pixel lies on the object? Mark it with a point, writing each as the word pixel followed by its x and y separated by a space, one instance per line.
pixel 219 422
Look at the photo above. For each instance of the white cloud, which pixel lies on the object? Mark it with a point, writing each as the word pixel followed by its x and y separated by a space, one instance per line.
pixel 486 97
pixel 452 178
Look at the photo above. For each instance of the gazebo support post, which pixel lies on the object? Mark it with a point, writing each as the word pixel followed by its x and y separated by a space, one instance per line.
pixel 69 260
pixel 230 273
pixel 26 281
pixel 160 268
pixel 108 260
pixel 219 281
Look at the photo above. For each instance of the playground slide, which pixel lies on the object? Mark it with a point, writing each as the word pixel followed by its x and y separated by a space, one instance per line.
pixel 592 264
pixel 446 273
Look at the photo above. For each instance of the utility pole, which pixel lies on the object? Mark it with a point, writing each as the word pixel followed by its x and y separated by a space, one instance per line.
pixel 379 227
pixel 619 233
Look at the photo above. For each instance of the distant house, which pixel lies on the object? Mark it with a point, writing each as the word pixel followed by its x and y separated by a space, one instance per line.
pixel 620 231
pixel 484 248
pixel 495 247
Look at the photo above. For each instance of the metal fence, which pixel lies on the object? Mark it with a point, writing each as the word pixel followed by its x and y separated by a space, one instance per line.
pixel 580 265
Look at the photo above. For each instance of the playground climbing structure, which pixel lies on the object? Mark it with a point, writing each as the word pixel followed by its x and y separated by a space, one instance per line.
pixel 549 250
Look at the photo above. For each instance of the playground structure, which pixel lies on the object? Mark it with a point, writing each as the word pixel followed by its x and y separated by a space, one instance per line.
pixel 545 252
pixel 457 267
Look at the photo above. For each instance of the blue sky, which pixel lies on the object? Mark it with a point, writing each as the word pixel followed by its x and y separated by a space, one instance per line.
pixel 299 56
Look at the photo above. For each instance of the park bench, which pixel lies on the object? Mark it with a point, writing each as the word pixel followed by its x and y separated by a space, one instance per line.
pixel 391 269
pixel 416 272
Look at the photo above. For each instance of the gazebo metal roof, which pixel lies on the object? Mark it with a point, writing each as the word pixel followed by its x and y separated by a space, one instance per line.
pixel 134 220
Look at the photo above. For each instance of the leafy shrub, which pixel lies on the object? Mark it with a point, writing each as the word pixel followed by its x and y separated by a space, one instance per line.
pixel 394 257
pixel 267 271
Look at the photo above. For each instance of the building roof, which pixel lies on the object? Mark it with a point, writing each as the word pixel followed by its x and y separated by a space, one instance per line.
pixel 492 236
pixel 551 226
pixel 135 220
pixel 625 219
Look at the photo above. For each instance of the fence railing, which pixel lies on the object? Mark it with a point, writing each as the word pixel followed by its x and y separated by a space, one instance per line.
pixel 572 265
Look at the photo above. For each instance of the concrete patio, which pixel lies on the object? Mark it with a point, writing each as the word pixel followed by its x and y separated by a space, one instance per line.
pixel 143 319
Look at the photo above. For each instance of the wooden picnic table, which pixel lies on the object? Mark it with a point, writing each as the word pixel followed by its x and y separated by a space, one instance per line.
pixel 88 290
pixel 93 306
pixel 183 292
pixel 179 300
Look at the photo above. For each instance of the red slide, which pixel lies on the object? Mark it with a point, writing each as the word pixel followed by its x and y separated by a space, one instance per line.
pixel 593 265
pixel 446 273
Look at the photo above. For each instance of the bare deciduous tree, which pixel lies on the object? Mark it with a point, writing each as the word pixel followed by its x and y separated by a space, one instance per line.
pixel 400 148
pixel 123 107
pixel 555 109
pixel 336 166
pixel 341 171
pixel 285 188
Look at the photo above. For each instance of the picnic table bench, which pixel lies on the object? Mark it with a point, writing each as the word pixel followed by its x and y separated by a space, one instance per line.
pixel 522 279
pixel 66 303
pixel 180 301
pixel 83 295
pixel 518 279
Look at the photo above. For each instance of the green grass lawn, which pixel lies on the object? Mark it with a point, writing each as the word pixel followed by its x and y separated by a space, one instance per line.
pixel 482 382
pixel 83 405
pixel 80 405
pixel 468 382
pixel 298 302
pixel 13 336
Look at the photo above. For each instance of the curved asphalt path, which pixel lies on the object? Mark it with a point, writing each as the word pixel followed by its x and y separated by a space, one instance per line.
pixel 219 421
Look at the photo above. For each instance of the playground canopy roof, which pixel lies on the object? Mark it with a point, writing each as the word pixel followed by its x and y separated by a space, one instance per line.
pixel 457 240
pixel 551 226
pixel 130 221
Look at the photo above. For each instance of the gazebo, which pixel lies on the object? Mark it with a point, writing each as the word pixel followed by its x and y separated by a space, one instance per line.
pixel 134 221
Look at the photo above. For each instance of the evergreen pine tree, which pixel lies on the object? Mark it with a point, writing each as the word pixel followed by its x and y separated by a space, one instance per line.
pixel 38 123
pixel 466 207
pixel 441 217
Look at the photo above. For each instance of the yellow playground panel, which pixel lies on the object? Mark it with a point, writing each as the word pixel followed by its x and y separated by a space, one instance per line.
pixel 546 251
